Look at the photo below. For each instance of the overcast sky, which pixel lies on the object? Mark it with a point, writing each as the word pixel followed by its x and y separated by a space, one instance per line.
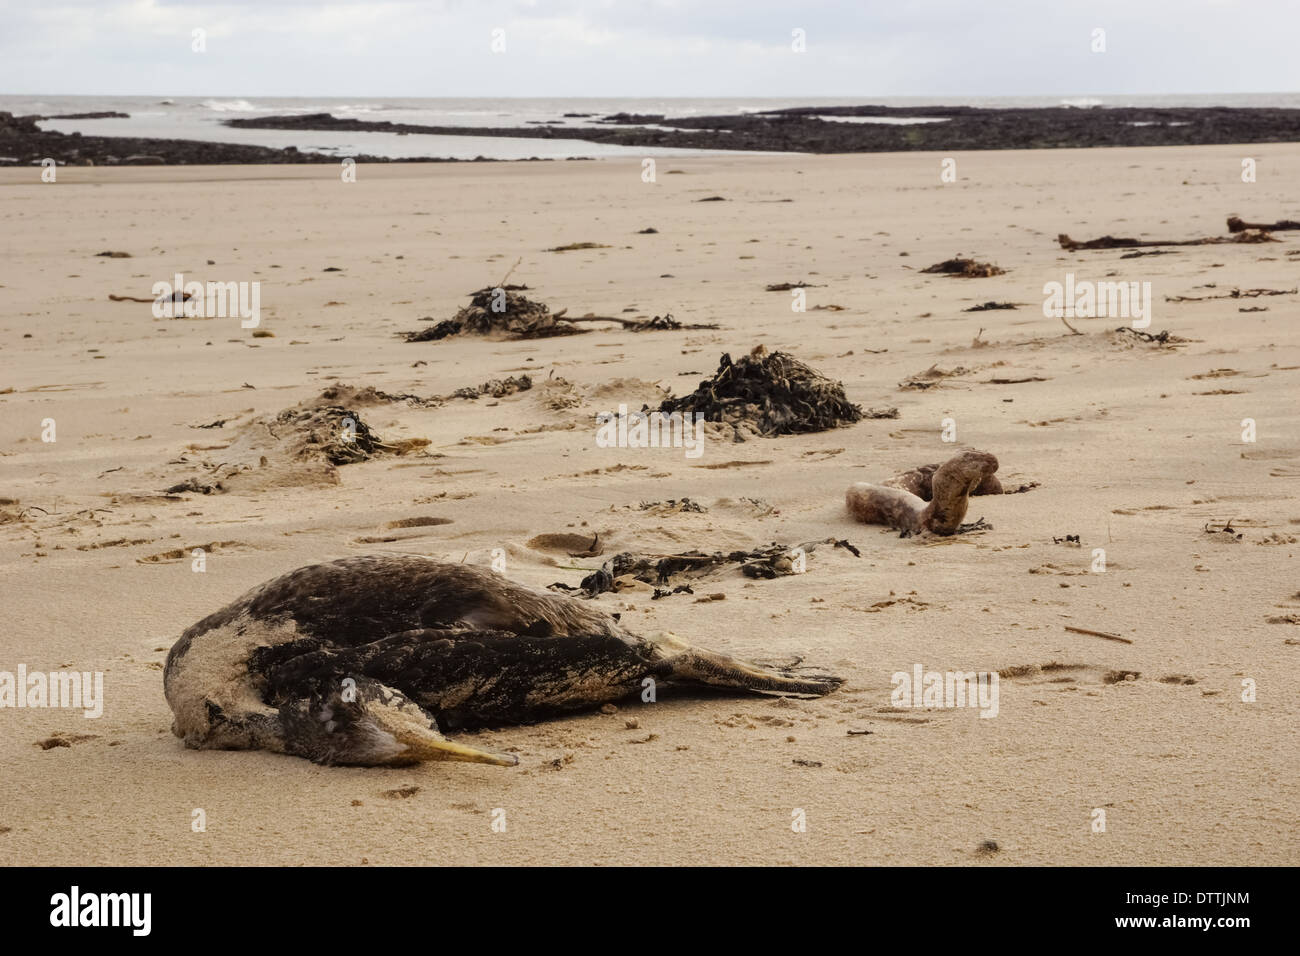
pixel 857 48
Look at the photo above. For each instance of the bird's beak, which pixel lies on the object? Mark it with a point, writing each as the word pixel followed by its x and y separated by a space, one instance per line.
pixel 427 747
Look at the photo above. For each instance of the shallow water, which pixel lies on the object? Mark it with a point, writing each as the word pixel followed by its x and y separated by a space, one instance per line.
pixel 200 118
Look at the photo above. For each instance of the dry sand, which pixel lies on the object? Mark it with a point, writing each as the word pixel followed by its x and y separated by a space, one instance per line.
pixel 1133 450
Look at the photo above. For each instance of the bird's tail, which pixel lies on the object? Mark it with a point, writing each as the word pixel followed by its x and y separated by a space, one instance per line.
pixel 698 665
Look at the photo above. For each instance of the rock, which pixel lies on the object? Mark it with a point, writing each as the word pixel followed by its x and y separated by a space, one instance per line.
pixel 108 114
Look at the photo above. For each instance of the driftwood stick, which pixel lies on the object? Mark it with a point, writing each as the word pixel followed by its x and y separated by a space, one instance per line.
pixel 598 318
pixel 636 325
pixel 1234 294
pixel 502 283
pixel 1109 637
pixel 1236 225
pixel 1112 242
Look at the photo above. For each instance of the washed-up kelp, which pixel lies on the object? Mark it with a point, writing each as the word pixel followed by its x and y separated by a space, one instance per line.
pixel 497 387
pixel 1236 225
pixel 502 310
pixel 342 394
pixel 773 392
pixel 991 306
pixel 499 310
pixel 931 377
pixel 1163 337
pixel 1231 294
pixel 369 395
pixel 333 432
pixel 789 286
pixel 660 323
pixel 677 570
pixel 1112 242
pixel 299 446
pixel 965 268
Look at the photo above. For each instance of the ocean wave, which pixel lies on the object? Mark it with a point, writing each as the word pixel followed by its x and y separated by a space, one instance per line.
pixel 885 120
pixel 231 106
pixel 1081 102
pixel 365 108
pixel 243 106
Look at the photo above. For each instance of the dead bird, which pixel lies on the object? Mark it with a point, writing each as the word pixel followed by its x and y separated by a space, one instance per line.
pixel 364 659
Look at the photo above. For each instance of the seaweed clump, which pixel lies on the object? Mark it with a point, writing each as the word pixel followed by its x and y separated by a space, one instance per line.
pixel 333 432
pixel 670 570
pixel 965 268
pixel 500 310
pixel 497 387
pixel 302 445
pixel 770 393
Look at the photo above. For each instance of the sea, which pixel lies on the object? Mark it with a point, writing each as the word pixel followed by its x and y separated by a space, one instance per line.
pixel 201 117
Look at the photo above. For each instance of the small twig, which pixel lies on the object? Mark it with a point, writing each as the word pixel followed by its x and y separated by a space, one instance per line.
pixel 502 283
pixel 626 323
pixel 591 548
pixel 1109 637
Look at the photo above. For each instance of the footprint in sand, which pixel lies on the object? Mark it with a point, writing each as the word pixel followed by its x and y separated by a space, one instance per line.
pixel 176 555
pixel 1055 673
pixel 399 525
pixel 734 464
pixel 565 543
pixel 114 543
pixel 64 740
pixel 752 722
pixel 1270 454
pixel 901 716
pixel 421 522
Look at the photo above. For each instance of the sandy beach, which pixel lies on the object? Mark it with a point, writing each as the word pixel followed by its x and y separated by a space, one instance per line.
pixel 1135 447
